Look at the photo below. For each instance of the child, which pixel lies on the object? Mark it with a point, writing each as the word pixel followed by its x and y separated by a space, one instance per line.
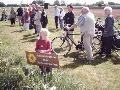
pixel 43 45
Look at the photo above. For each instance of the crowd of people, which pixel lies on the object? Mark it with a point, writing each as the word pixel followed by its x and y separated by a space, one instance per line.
pixel 35 17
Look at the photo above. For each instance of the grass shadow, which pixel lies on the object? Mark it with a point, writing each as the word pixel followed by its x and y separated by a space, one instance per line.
pixel 99 60
pixel 80 60
pixel 31 40
pixel 29 36
pixel 17 31
pixel 53 29
pixel 115 60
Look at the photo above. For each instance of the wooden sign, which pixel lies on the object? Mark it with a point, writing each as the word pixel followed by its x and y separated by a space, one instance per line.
pixel 42 59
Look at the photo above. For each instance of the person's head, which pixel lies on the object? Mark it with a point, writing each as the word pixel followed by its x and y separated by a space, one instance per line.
pixel 25 9
pixel 44 33
pixel 61 9
pixel 20 6
pixel 108 11
pixel 38 7
pixel 29 8
pixel 85 10
pixel 56 7
pixel 70 8
pixel 33 5
pixel 42 8
pixel 12 8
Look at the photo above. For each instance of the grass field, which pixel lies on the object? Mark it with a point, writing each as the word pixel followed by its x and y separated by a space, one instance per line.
pixel 74 73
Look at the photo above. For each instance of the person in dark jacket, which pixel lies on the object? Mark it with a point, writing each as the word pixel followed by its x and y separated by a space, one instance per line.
pixel 108 33
pixel 44 19
pixel 69 20
pixel 19 14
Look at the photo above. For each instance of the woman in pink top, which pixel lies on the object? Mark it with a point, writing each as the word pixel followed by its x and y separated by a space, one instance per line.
pixel 43 45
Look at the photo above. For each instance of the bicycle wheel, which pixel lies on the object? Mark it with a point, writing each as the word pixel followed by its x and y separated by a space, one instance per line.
pixel 61 46
pixel 96 44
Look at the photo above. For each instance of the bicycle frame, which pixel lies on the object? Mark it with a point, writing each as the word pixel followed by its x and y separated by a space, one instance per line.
pixel 67 37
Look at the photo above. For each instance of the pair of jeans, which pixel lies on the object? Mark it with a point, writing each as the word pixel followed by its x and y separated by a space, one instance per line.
pixel 56 21
pixel 106 45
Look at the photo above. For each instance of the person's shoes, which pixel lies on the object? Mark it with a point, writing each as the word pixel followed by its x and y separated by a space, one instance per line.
pixel 108 56
pixel 90 61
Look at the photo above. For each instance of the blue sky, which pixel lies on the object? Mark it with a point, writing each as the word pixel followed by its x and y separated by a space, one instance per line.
pixel 52 1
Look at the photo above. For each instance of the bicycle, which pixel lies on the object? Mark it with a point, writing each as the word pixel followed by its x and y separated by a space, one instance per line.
pixel 62 46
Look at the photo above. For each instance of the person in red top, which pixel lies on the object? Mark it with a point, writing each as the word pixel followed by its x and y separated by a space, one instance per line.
pixel 43 45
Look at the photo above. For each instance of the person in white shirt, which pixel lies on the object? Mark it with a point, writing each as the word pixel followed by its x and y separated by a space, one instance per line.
pixel 37 20
pixel 56 15
pixel 61 16
pixel 86 22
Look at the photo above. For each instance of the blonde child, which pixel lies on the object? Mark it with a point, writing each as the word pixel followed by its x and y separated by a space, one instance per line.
pixel 43 45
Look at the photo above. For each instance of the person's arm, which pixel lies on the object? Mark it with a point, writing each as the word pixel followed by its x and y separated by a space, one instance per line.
pixel 72 18
pixel 37 47
pixel 64 18
pixel 49 47
pixel 72 27
pixel 79 23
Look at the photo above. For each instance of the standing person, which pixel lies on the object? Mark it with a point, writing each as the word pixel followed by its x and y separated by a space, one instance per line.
pixel 43 45
pixel 108 33
pixel 61 16
pixel 37 20
pixel 86 22
pixel 12 17
pixel 44 19
pixel 69 20
pixel 4 15
pixel 26 19
pixel 32 16
pixel 19 14
pixel 56 14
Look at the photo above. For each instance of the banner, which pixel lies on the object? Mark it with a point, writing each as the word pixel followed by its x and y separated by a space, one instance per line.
pixel 50 60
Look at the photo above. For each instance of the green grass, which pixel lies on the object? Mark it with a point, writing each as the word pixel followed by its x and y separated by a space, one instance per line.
pixel 74 73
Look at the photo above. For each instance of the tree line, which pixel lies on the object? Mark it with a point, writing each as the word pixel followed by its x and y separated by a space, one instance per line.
pixel 57 2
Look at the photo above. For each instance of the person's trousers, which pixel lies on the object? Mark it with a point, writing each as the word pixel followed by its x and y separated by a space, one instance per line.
pixel 61 21
pixel 106 45
pixel 56 21
pixel 12 21
pixel 87 43
pixel 70 36
pixel 26 26
pixel 44 25
pixel 19 19
pixel 38 28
